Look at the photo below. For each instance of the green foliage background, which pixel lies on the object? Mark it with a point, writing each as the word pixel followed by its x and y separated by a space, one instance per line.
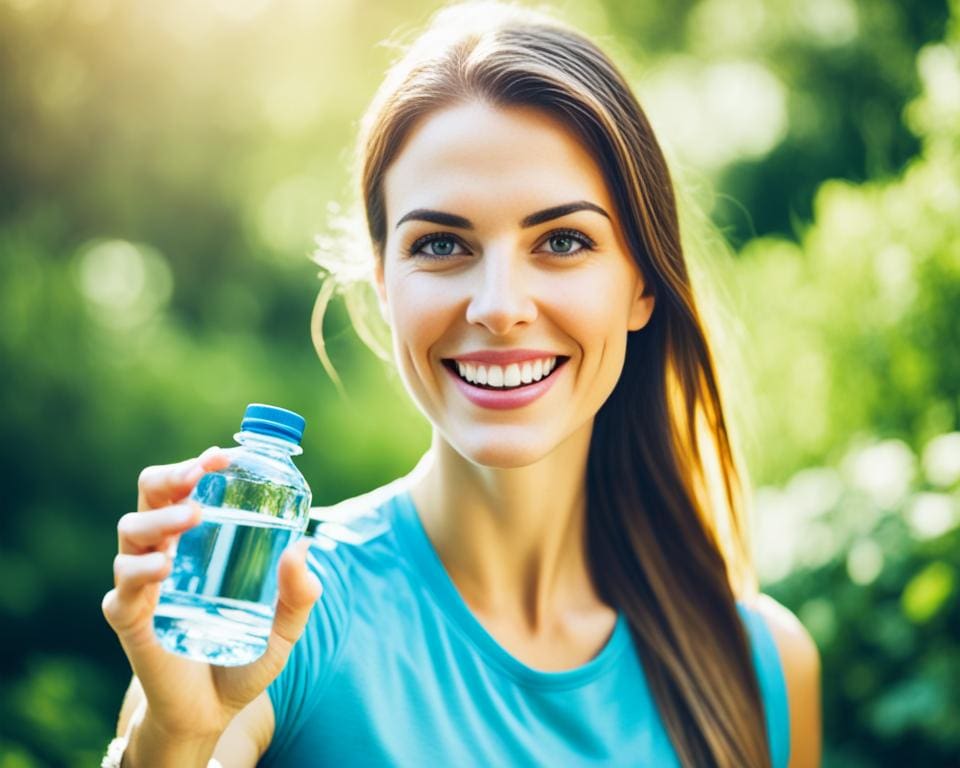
pixel 164 167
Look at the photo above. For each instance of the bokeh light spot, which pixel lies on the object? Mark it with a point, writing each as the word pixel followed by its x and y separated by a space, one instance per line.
pixel 124 283
pixel 884 471
pixel 712 115
pixel 941 460
pixel 932 514
pixel 864 562
pixel 928 591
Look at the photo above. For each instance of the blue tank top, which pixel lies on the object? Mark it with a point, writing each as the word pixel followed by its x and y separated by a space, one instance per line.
pixel 395 670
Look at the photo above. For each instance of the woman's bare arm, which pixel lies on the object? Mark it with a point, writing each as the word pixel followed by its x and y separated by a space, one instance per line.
pixel 243 742
pixel 801 669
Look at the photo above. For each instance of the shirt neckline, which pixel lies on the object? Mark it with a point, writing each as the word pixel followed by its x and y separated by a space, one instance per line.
pixel 427 562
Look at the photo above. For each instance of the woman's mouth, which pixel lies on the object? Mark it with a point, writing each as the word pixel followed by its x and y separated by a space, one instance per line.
pixel 505 377
pixel 501 387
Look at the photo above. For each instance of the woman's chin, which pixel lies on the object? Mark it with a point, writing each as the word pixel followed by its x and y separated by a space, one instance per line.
pixel 500 455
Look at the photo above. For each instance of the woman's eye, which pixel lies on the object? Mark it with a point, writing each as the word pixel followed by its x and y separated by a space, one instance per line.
pixel 568 242
pixel 564 243
pixel 439 245
pixel 435 246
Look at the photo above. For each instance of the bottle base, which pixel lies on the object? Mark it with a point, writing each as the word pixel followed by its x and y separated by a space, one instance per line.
pixel 227 633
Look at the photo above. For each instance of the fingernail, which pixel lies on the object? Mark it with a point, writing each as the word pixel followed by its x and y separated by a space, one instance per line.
pixel 209 452
pixel 194 474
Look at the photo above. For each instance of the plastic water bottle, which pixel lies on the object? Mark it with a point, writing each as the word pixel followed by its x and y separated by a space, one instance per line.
pixel 218 602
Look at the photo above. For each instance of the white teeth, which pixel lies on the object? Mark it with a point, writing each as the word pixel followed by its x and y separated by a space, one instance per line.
pixel 513 375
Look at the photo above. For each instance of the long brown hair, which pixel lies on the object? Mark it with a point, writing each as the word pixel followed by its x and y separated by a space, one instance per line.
pixel 664 546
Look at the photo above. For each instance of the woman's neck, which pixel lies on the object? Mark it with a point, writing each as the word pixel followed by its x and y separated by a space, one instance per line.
pixel 512 540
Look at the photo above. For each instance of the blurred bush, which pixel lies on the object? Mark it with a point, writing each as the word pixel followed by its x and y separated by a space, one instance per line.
pixel 854 325
pixel 868 554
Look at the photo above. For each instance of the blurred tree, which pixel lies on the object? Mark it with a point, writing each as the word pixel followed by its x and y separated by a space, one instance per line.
pixel 844 69
pixel 854 328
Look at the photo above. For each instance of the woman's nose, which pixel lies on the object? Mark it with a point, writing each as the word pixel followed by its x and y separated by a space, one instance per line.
pixel 501 299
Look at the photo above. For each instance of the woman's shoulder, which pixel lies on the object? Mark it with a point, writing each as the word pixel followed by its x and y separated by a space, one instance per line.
pixel 788 632
pixel 800 662
pixel 356 520
pixel 356 533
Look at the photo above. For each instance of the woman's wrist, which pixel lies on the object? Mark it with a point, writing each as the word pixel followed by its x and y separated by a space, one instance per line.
pixel 148 744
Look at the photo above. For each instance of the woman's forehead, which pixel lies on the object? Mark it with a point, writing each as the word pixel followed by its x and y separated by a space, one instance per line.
pixel 481 156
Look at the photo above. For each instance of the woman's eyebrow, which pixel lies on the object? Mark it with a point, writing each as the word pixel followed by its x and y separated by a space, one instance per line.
pixel 459 222
pixel 561 210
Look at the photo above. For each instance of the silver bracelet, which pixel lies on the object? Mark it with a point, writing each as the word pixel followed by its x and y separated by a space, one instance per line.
pixel 115 751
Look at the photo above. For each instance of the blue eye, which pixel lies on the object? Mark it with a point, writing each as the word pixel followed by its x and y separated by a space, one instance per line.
pixel 562 243
pixel 566 242
pixel 440 246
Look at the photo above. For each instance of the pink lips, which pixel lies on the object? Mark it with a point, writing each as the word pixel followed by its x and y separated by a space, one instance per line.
pixel 505 399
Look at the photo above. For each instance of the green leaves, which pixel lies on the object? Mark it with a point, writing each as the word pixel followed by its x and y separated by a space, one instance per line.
pixel 927 593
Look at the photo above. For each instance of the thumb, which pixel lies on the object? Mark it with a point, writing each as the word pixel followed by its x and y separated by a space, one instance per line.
pixel 298 592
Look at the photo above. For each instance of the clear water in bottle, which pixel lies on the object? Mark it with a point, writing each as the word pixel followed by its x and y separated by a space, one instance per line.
pixel 217 604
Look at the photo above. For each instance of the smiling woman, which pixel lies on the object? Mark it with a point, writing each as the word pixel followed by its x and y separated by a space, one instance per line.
pixel 551 584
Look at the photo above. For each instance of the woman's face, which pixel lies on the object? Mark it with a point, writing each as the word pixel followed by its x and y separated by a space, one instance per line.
pixel 503 246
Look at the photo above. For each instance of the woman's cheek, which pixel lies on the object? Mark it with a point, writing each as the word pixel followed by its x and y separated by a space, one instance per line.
pixel 593 308
pixel 423 314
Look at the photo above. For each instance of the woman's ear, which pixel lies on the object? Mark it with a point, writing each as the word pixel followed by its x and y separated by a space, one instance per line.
pixel 641 309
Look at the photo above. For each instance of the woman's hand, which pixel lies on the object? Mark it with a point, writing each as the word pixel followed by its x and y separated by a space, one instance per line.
pixel 189 699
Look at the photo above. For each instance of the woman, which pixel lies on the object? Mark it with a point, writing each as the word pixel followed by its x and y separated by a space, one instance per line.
pixel 557 582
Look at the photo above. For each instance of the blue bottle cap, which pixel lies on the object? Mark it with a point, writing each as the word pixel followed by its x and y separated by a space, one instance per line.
pixel 273 421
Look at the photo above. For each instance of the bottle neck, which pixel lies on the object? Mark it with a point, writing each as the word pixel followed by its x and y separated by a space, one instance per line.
pixel 275 446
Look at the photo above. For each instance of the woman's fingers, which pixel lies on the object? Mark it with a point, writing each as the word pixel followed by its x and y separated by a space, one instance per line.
pixel 139 532
pixel 131 573
pixel 129 610
pixel 128 607
pixel 165 484
pixel 298 591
